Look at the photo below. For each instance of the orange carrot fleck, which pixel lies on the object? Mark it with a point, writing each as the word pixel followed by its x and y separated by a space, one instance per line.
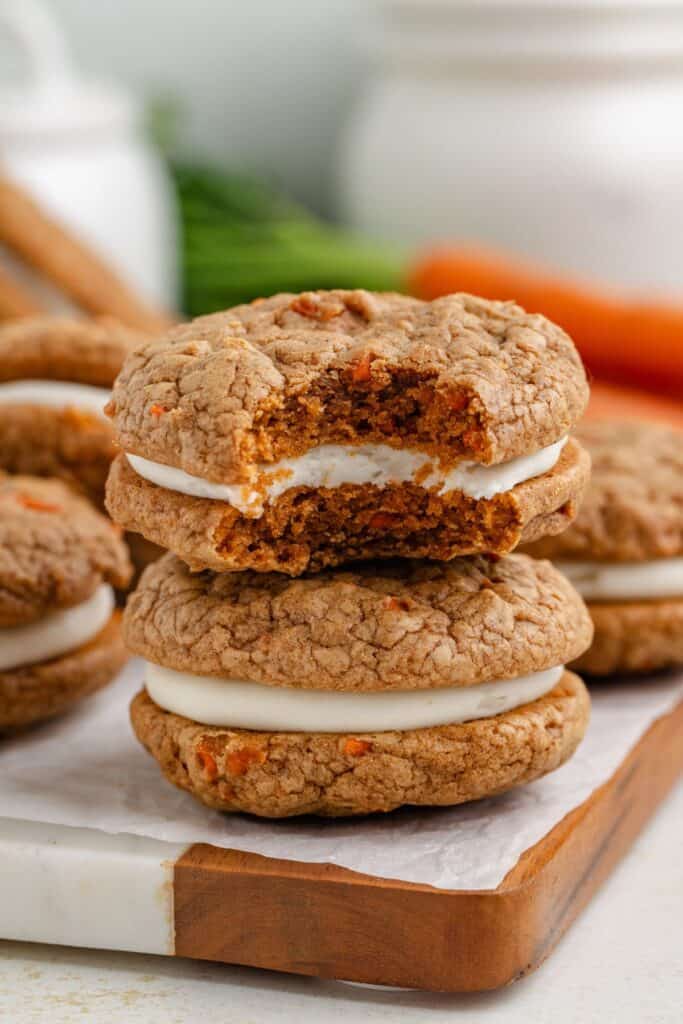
pixel 356 748
pixel 207 763
pixel 239 761
pixel 381 521
pixel 397 603
pixel 36 504
pixel 361 371
pixel 457 400
pixel 157 410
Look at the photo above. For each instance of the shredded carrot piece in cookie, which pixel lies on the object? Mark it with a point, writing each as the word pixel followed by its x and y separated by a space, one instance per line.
pixel 457 400
pixel 361 371
pixel 207 763
pixel 397 603
pixel 356 748
pixel 310 305
pixel 239 761
pixel 36 504
pixel 157 410
pixel 381 521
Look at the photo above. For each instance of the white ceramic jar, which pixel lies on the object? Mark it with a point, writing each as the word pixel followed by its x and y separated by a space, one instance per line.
pixel 78 147
pixel 553 129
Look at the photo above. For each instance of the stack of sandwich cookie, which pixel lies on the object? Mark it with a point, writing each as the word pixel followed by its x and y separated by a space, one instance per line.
pixel 55 379
pixel 59 633
pixel 357 691
pixel 624 553
pixel 307 431
pixel 300 433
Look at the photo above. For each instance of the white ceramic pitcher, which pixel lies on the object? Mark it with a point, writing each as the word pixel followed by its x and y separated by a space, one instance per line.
pixel 79 148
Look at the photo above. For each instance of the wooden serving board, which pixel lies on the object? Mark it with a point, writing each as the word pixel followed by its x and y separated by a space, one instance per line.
pixel 84 887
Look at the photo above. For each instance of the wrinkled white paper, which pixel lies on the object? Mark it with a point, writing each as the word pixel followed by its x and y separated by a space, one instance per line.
pixel 88 770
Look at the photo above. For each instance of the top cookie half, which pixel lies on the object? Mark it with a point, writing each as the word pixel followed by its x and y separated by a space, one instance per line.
pixel 326 390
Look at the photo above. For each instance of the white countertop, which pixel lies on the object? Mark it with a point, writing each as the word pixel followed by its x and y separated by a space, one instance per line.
pixel 621 961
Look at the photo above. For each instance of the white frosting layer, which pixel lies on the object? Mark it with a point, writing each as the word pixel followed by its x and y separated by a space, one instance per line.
pixel 626 581
pixel 243 705
pixel 56 394
pixel 331 465
pixel 57 633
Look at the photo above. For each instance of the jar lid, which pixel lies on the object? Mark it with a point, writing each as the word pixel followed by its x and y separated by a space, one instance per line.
pixel 54 101
pixel 558 31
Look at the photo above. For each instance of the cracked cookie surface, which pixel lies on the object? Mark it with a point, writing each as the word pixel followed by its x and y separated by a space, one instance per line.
pixel 55 549
pixel 384 626
pixel 460 377
pixel 282 774
pixel 633 509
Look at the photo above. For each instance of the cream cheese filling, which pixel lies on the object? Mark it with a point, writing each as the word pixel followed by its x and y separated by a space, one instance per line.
pixel 626 581
pixel 234 703
pixel 55 394
pixel 57 633
pixel 332 465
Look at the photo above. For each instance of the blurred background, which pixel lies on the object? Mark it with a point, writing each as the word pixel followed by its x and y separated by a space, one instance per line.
pixel 213 151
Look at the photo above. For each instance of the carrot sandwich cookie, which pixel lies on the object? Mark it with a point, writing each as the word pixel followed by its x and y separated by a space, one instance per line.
pixel 55 379
pixel 59 633
pixel 624 553
pixel 305 431
pixel 357 691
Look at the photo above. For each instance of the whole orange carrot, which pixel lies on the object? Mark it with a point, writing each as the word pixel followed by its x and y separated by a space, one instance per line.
pixel 611 401
pixel 625 341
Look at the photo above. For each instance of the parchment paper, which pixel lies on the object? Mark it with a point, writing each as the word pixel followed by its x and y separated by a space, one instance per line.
pixel 88 770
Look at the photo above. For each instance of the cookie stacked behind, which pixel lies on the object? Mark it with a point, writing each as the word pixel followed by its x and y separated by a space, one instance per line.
pixel 55 379
pixel 304 432
pixel 624 553
pixel 59 633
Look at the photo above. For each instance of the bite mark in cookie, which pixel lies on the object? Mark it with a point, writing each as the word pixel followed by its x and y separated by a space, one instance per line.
pixel 339 425
pixel 309 529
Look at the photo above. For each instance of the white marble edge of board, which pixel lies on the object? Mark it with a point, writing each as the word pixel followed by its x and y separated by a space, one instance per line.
pixel 84 887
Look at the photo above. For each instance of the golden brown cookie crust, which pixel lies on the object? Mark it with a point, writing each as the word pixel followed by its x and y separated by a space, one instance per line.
pixel 460 377
pixel 387 626
pixel 55 549
pixel 310 529
pixel 634 636
pixel 60 348
pixel 70 444
pixel 74 445
pixel 277 775
pixel 633 510
pixel 37 692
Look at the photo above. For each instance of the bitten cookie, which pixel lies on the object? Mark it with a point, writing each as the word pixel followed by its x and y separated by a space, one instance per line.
pixel 624 553
pixel 59 633
pixel 55 379
pixel 358 691
pixel 305 431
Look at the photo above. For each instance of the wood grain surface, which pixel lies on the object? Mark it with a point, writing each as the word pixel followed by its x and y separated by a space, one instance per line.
pixel 318 919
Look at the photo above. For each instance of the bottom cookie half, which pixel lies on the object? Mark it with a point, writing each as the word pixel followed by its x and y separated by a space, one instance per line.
pixel 276 775
pixel 634 636
pixel 36 692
